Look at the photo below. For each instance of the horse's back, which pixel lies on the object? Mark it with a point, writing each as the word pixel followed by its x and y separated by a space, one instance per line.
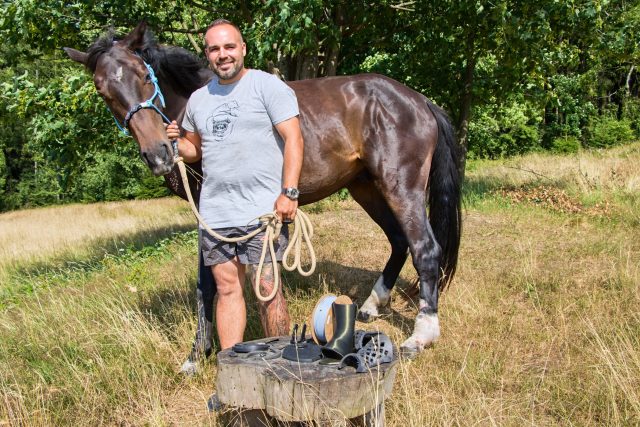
pixel 352 123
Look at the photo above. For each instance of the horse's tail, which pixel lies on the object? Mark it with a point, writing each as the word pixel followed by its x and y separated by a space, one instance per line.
pixel 444 185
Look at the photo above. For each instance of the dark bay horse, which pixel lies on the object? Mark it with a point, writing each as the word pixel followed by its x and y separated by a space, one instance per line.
pixel 392 148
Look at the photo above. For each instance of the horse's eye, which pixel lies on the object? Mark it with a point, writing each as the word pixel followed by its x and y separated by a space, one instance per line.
pixel 147 78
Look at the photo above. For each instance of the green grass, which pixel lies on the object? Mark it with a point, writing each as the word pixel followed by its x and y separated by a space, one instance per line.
pixel 540 326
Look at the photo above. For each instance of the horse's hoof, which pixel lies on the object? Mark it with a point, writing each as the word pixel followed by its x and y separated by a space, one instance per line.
pixel 189 368
pixel 411 348
pixel 365 317
pixel 407 353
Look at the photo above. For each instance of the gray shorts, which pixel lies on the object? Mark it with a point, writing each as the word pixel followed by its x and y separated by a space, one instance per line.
pixel 215 251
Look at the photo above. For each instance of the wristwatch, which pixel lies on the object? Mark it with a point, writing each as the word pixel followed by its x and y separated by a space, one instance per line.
pixel 291 193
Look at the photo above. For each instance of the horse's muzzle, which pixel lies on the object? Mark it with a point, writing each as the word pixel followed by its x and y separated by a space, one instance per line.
pixel 160 160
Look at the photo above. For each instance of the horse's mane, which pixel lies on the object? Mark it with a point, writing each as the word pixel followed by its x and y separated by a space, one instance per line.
pixel 173 65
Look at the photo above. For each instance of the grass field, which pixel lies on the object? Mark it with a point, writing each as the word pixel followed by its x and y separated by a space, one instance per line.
pixel 540 327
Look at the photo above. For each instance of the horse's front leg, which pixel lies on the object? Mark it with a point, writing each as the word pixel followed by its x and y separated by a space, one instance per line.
pixel 274 314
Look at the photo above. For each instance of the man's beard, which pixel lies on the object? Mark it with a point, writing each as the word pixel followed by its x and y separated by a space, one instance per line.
pixel 229 74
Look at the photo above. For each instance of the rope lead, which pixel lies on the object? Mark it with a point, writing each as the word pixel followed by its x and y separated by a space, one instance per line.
pixel 303 231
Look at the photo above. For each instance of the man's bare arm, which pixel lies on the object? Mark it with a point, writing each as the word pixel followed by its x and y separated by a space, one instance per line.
pixel 290 132
pixel 189 145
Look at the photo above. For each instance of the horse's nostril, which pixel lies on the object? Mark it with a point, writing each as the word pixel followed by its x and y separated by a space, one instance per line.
pixel 145 157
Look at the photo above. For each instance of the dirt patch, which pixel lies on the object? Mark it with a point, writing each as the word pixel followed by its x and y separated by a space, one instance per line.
pixel 552 198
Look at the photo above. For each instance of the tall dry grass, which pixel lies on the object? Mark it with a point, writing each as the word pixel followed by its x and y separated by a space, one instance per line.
pixel 35 236
pixel 585 172
pixel 540 326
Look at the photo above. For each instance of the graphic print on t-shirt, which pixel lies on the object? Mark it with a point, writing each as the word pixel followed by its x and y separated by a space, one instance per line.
pixel 220 123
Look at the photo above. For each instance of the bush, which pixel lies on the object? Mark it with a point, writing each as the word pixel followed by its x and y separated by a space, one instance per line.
pixel 151 187
pixel 565 144
pixel 607 131
pixel 483 136
pixel 109 176
pixel 631 112
pixel 505 131
pixel 569 108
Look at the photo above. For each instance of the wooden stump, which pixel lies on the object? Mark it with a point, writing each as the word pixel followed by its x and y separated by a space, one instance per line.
pixel 259 392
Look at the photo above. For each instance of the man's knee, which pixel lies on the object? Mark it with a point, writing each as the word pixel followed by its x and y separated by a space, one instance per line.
pixel 228 290
pixel 228 279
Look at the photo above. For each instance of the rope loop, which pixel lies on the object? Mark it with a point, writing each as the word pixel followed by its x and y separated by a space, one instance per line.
pixel 271 225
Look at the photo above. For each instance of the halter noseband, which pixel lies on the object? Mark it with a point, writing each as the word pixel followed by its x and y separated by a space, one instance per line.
pixel 149 103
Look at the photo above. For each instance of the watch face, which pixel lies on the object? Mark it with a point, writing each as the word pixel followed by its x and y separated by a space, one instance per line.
pixel 291 193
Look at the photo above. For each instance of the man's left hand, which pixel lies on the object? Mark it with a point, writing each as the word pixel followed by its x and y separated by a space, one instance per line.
pixel 286 208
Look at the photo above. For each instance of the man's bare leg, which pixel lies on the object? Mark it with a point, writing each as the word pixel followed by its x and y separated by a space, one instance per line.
pixel 231 311
pixel 274 314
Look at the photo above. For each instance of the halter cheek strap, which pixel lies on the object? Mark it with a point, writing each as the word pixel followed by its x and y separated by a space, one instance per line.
pixel 149 103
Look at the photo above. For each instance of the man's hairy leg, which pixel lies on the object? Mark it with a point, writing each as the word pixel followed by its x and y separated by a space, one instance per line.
pixel 231 311
pixel 274 314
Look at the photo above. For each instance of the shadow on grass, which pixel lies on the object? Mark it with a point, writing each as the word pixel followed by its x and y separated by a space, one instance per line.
pixel 167 305
pixel 479 188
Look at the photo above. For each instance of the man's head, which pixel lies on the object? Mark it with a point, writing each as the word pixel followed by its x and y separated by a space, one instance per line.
pixel 225 50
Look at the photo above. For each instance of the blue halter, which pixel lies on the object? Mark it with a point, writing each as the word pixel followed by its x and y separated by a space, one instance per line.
pixel 149 103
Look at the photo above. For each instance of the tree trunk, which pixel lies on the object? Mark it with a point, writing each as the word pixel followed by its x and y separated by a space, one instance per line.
pixel 465 105
pixel 307 66
pixel 332 50
pixel 331 59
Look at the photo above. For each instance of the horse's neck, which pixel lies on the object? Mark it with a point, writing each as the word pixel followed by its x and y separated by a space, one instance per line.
pixel 175 102
pixel 175 106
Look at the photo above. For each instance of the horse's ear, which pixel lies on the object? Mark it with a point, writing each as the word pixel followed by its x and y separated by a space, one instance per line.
pixel 135 39
pixel 76 55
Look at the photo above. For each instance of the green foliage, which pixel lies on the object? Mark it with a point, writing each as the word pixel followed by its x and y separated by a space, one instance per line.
pixel 504 131
pixel 294 27
pixel 3 172
pixel 150 187
pixel 608 131
pixel 378 62
pixel 117 175
pixel 631 112
pixel 566 145
pixel 569 109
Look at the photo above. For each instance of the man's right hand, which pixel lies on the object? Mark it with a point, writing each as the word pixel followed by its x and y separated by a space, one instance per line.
pixel 172 130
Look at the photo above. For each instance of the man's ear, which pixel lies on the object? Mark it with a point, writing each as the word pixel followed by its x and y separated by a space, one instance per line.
pixel 76 55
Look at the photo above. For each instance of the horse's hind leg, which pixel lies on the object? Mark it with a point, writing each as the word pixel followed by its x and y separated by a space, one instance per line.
pixel 368 196
pixel 409 209
pixel 203 342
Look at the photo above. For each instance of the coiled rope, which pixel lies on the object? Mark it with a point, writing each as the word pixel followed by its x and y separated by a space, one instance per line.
pixel 271 224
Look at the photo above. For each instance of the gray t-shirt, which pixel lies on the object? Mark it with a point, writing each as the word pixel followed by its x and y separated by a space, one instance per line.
pixel 242 152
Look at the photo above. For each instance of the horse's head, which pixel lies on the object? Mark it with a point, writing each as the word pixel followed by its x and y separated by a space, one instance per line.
pixel 124 82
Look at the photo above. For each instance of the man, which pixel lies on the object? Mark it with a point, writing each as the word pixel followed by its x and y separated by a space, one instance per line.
pixel 244 125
